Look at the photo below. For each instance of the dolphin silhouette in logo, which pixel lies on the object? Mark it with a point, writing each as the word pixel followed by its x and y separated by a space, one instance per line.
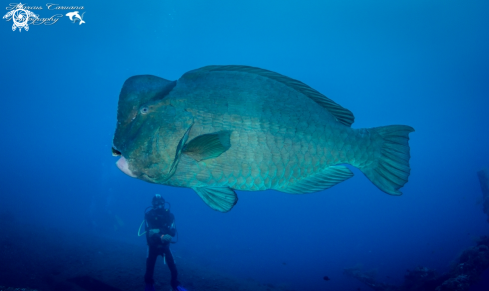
pixel 75 14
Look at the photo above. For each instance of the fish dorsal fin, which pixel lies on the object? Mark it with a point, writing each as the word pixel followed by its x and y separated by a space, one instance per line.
pixel 343 115
pixel 208 146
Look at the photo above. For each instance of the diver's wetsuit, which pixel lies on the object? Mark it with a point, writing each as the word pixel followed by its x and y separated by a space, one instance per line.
pixel 159 222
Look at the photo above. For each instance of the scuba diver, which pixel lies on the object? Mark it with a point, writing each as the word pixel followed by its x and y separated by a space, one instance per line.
pixel 160 229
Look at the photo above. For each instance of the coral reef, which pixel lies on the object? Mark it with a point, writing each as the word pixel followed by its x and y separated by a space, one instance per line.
pixel 464 273
pixel 422 279
pixel 369 279
pixel 470 265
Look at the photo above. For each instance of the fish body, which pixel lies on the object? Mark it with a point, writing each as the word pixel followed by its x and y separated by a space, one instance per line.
pixel 223 128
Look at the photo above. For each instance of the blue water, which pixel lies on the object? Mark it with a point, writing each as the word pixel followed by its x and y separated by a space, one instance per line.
pixel 418 63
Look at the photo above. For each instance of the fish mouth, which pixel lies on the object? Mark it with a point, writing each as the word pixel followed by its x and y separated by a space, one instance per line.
pixel 123 165
pixel 115 152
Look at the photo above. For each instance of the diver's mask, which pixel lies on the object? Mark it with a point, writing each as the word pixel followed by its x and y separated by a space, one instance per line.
pixel 158 202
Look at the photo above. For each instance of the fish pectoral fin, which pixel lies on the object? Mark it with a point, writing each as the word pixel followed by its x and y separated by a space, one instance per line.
pixel 320 181
pixel 218 198
pixel 208 146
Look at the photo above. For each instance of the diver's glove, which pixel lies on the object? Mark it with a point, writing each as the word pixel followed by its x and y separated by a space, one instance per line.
pixel 166 238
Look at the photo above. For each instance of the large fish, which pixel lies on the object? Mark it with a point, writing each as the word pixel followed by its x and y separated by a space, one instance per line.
pixel 223 128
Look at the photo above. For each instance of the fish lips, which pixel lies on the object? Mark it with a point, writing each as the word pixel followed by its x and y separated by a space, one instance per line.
pixel 123 165
pixel 132 168
pixel 128 151
pixel 122 162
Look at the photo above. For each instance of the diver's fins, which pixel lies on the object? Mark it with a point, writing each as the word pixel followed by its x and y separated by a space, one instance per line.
pixel 180 288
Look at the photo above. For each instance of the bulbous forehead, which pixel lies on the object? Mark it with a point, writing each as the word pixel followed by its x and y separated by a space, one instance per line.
pixel 139 90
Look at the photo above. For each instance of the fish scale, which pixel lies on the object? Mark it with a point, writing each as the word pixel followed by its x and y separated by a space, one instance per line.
pixel 276 121
pixel 223 128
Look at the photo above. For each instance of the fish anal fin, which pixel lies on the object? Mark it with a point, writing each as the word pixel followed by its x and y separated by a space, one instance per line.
pixel 218 198
pixel 320 181
pixel 208 146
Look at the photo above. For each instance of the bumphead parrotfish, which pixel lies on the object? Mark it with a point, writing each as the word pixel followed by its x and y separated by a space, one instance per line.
pixel 223 128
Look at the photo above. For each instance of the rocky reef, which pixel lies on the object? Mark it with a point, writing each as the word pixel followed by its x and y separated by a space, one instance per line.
pixel 464 273
pixel 469 267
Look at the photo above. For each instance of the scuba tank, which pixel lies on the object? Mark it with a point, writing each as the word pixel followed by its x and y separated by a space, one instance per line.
pixel 149 208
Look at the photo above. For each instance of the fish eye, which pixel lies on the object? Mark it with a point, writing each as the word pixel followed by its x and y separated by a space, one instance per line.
pixel 144 110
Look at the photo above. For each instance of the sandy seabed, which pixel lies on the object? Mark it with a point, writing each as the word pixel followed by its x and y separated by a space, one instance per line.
pixel 49 259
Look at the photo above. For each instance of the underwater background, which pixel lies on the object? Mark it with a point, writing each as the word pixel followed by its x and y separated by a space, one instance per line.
pixel 418 63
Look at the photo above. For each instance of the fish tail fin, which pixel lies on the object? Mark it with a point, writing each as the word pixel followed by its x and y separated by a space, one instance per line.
pixel 390 169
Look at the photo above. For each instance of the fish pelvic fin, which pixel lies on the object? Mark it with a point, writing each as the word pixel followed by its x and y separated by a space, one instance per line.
pixel 220 199
pixel 390 171
pixel 323 180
